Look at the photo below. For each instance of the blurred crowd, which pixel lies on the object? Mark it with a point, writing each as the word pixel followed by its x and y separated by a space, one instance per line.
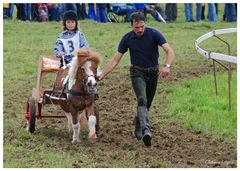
pixel 110 12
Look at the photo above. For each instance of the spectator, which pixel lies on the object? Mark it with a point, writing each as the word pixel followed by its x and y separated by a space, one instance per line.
pixel 66 7
pixel 42 11
pixel 102 12
pixel 230 13
pixel 188 12
pixel 81 11
pixel 203 12
pixel 34 12
pixel 24 11
pixel 19 10
pixel 8 10
pixel 141 7
pixel 161 10
pixel 156 11
pixel 199 11
pixel 27 12
pixel 212 16
pixel 92 11
pixel 71 7
pixel 171 11
pixel 123 9
pixel 62 9
pixel 216 6
pixel 53 11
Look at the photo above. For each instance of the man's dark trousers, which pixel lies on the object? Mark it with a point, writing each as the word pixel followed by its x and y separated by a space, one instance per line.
pixel 144 82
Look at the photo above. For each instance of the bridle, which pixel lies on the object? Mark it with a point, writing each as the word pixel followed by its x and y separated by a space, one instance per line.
pixel 83 82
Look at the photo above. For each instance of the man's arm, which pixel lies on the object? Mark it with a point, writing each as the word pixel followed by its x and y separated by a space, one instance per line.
pixel 111 65
pixel 170 57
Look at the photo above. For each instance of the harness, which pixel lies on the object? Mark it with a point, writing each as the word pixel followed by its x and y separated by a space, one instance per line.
pixel 81 79
pixel 81 94
pixel 56 94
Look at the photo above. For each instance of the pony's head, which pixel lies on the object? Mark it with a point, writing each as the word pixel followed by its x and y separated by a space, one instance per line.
pixel 87 61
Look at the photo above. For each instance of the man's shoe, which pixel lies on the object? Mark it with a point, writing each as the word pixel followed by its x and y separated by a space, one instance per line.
pixel 147 139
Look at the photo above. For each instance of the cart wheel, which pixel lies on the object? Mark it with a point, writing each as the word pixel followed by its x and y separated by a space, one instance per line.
pixel 32 115
pixel 97 116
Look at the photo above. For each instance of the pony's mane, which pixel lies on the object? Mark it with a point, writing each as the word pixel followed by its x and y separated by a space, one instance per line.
pixel 81 57
pixel 84 55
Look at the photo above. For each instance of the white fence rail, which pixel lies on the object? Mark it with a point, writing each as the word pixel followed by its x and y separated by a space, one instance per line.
pixel 214 55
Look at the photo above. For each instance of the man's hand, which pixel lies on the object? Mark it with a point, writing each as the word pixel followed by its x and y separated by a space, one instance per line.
pixel 100 77
pixel 110 65
pixel 164 72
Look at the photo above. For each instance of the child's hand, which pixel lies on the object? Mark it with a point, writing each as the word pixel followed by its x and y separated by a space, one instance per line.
pixel 62 53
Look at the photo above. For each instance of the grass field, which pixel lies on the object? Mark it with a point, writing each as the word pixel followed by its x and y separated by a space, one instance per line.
pixel 191 126
pixel 195 102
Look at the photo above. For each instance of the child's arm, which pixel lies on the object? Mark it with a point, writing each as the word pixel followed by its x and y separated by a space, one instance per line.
pixel 58 49
pixel 83 41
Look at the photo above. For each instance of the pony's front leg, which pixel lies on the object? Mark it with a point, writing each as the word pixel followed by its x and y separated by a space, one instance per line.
pixel 70 125
pixel 91 126
pixel 76 128
pixel 91 123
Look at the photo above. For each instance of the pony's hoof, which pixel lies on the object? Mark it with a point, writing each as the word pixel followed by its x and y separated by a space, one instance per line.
pixel 92 140
pixel 75 141
pixel 27 128
pixel 70 134
pixel 93 135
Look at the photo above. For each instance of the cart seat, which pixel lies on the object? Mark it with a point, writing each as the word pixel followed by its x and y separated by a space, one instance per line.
pixel 50 64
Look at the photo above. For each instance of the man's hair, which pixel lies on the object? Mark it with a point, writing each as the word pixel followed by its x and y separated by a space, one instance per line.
pixel 137 16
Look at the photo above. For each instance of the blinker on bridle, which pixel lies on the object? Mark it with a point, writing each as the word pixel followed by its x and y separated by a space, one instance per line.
pixel 86 77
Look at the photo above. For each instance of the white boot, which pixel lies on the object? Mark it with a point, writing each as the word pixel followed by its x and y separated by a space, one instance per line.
pixel 76 132
pixel 91 126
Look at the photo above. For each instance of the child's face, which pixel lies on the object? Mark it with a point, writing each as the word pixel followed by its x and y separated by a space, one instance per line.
pixel 70 24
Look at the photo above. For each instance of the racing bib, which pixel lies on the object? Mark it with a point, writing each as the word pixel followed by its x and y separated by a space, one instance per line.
pixel 71 45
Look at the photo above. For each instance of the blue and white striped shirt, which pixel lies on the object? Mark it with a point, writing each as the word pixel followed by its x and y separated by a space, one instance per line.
pixel 69 42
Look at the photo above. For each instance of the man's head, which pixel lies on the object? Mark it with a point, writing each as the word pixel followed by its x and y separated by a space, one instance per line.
pixel 70 21
pixel 138 23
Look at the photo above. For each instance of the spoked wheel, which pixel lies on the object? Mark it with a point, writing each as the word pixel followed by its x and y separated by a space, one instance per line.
pixel 31 115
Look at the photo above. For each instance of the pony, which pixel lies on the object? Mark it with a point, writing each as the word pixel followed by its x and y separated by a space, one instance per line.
pixel 80 91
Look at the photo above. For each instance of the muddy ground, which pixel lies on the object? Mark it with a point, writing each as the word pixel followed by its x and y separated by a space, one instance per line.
pixel 176 145
pixel 172 144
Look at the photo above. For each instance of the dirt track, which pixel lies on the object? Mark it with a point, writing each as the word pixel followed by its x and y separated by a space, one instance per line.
pixel 173 144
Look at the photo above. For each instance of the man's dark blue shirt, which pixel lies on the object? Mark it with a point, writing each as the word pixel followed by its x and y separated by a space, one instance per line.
pixel 144 49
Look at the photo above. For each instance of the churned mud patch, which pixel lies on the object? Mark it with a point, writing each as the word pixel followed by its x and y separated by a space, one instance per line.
pixel 172 144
